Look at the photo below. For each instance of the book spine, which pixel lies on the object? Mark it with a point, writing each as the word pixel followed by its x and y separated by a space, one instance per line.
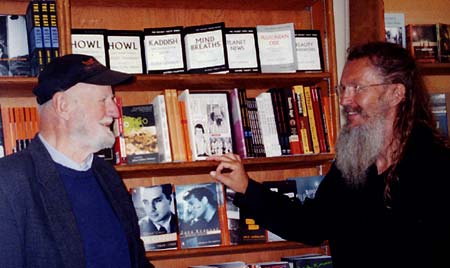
pixel 119 145
pixel 312 122
pixel 238 124
pixel 35 38
pixel 318 120
pixel 266 116
pixel 324 112
pixel 2 137
pixel 162 129
pixel 46 36
pixel 282 138
pixel 257 142
pixel 54 32
pixel 246 122
pixel 291 117
pixel 188 136
pixel 174 122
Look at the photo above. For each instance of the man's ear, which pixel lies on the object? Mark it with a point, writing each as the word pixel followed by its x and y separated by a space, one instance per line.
pixel 398 94
pixel 61 105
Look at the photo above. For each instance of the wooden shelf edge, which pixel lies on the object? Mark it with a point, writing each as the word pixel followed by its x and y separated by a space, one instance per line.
pixel 204 167
pixel 220 250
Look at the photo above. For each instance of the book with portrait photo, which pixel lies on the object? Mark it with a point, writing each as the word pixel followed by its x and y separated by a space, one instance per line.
pixel 139 127
pixel 200 210
pixel 208 121
pixel 158 223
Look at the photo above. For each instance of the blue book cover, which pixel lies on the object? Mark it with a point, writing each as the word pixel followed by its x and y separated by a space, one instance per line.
pixel 307 186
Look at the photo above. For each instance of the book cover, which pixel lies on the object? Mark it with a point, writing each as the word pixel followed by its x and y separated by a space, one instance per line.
pixel 309 261
pixel 394 25
pixel 308 46
pixel 242 50
pixel 208 121
pixel 14 54
pixel 421 40
pixel 91 42
pixel 306 186
pixel 272 264
pixel 126 51
pixel 266 118
pixel 139 128
pixel 205 48
pixel 438 103
pixel 233 217
pixel 276 44
pixel 164 50
pixel 162 129
pixel 155 207
pixel 199 208
pixel 232 264
pixel 289 189
pixel 443 32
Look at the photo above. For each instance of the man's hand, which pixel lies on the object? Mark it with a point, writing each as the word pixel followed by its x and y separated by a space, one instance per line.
pixel 237 179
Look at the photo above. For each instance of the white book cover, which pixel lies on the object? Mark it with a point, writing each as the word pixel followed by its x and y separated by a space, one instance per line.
pixel 164 50
pixel 90 42
pixel 266 117
pixel 162 129
pixel 125 51
pixel 14 55
pixel 309 53
pixel 394 24
pixel 276 45
pixel 242 50
pixel 208 123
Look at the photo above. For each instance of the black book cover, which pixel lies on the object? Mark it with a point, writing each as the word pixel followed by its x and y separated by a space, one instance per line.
pixel 126 51
pixel 242 50
pixel 91 42
pixel 309 50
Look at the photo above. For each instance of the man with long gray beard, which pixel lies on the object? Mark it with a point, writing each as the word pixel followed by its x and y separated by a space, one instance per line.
pixel 60 205
pixel 385 199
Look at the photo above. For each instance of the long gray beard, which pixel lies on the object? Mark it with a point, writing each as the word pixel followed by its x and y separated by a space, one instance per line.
pixel 357 149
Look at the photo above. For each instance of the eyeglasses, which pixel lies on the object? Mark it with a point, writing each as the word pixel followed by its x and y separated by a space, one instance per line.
pixel 356 89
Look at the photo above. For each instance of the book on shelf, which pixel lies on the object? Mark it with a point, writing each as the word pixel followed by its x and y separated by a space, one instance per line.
pixel 306 186
pixel 439 103
pixel 394 28
pixel 302 119
pixel 91 42
pixel 36 47
pixel 126 51
pixel 276 45
pixel 120 152
pixel 2 138
pixel 280 120
pixel 289 189
pixel 14 53
pixel 205 48
pixel 140 134
pixel 164 50
pixel 309 261
pixel 177 139
pixel 162 129
pixel 242 50
pixel 54 32
pixel 46 35
pixel 308 46
pixel 240 123
pixel 270 264
pixel 256 135
pixel 311 119
pixel 421 40
pixel 201 214
pixel 443 37
pixel 157 217
pixel 267 123
pixel 231 264
pixel 233 217
pixel 208 123
pixel 321 126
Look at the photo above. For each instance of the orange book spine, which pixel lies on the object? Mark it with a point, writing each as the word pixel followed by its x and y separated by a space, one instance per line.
pixel 184 124
pixel 7 131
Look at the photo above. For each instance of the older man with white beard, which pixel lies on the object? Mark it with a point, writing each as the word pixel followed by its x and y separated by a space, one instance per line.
pixel 61 206
pixel 385 199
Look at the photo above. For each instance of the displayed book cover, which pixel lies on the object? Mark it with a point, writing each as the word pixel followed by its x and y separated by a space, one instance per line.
pixel 277 51
pixel 443 32
pixel 439 109
pixel 266 118
pixel 309 261
pixel 233 217
pixel 162 129
pixel 163 49
pixel 14 54
pixel 242 50
pixel 232 264
pixel 394 25
pixel 158 224
pixel 91 42
pixel 289 189
pixel 126 51
pixel 306 186
pixel 200 209
pixel 272 264
pixel 205 48
pixel 308 46
pixel 421 40
pixel 139 127
pixel 208 122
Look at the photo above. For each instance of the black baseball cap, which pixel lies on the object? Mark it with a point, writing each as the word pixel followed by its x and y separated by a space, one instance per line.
pixel 64 72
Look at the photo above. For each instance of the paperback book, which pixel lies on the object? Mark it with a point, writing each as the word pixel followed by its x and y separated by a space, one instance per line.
pixel 242 50
pixel 277 51
pixel 91 42
pixel 443 32
pixel 309 261
pixel 164 50
pixel 205 48
pixel 306 186
pixel 439 109
pixel 125 50
pixel 162 129
pixel 421 40
pixel 394 24
pixel 14 54
pixel 140 134
pixel 308 46
pixel 155 207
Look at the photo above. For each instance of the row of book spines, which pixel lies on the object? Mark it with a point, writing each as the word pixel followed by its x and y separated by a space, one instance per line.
pixel 43 34
pixel 19 126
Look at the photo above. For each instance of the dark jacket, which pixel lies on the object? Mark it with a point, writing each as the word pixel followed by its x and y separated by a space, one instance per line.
pixel 361 230
pixel 37 225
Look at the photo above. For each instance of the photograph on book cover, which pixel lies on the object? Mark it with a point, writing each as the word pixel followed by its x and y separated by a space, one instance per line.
pixel 155 207
pixel 198 209
pixel 394 24
pixel 14 55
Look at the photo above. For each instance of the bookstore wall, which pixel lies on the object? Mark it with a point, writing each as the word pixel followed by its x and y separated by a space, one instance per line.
pixel 185 167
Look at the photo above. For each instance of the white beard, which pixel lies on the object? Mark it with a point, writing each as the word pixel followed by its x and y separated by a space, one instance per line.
pixel 357 149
